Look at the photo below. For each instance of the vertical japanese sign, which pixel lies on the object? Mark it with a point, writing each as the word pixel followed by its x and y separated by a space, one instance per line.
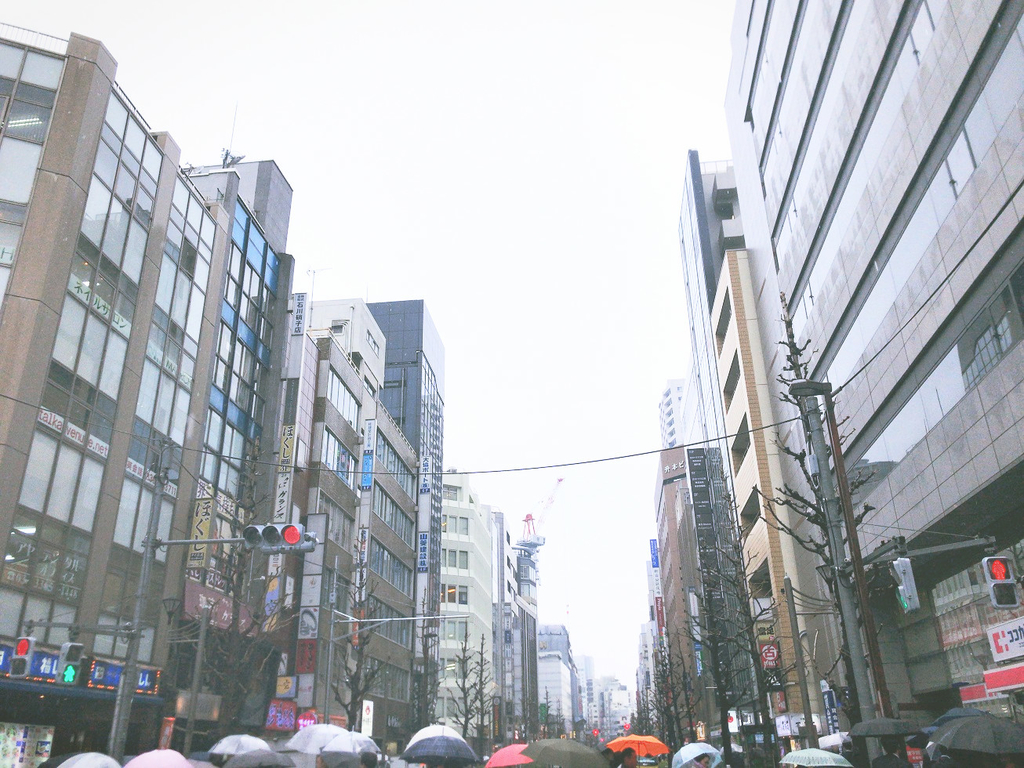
pixel 298 314
pixel 425 475
pixel 366 727
pixel 423 558
pixel 369 447
pixel 286 459
pixel 202 515
pixel 364 545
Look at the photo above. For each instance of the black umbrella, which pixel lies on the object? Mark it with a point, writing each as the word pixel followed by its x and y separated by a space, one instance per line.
pixel 565 753
pixel 447 751
pixel 884 726
pixel 984 733
pixel 259 758
pixel 957 712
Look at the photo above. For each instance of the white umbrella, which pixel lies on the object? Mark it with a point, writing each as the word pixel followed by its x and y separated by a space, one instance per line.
pixel 311 739
pixel 91 760
pixel 833 740
pixel 690 751
pixel 434 730
pixel 351 741
pixel 237 744
pixel 812 757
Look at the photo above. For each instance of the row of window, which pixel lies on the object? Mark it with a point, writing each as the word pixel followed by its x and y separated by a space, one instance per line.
pixel 453 524
pixel 391 682
pixel 390 567
pixel 455 558
pixel 388 456
pixel 455 593
pixel 397 631
pixel 388 510
pixel 336 457
pixel 339 522
pixel 342 398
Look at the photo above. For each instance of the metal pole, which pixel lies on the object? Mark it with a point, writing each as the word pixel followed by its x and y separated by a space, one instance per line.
pixel 856 560
pixel 130 673
pixel 330 663
pixel 847 600
pixel 197 677
pixel 810 731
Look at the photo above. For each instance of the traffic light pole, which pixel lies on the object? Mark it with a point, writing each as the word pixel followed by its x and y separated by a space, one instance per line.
pixel 130 673
pixel 197 677
pixel 801 671
pixel 831 508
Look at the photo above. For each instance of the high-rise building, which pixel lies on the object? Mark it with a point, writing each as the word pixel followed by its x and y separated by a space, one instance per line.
pixel 413 393
pixel 881 198
pixel 505 619
pixel 555 638
pixel 670 412
pixel 136 320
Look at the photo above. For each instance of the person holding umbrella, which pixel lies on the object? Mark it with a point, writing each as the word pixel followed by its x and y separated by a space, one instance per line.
pixel 891 758
pixel 629 758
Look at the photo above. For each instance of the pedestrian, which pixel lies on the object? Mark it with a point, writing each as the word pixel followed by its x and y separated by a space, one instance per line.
pixel 614 758
pixel 629 758
pixel 368 760
pixel 891 758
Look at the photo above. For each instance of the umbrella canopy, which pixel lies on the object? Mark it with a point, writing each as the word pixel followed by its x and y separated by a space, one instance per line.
pixel 81 760
pixel 159 758
pixel 956 713
pixel 260 758
pixel 984 733
pixel 340 759
pixel 506 756
pixel 433 730
pixel 814 757
pixel 644 746
pixel 448 751
pixel 690 751
pixel 237 744
pixel 351 741
pixel 833 740
pixel 313 738
pixel 565 753
pixel 884 726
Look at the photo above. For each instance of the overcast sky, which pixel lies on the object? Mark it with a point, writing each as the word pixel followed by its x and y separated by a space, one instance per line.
pixel 517 165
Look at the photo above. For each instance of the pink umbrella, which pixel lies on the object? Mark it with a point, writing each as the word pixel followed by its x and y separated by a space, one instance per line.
pixel 506 756
pixel 159 758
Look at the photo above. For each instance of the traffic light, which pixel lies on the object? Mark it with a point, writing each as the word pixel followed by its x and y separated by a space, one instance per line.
pixel 596 732
pixel 1002 588
pixel 21 662
pixel 69 665
pixel 906 587
pixel 277 538
pixel 625 727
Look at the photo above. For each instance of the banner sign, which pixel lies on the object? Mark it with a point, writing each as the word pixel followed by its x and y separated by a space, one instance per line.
pixel 769 655
pixel 423 558
pixel 425 475
pixel 298 314
pixel 286 687
pixel 654 554
pixel 202 515
pixel 1006 640
pixel 831 710
pixel 280 715
pixel 305 657
pixel 369 447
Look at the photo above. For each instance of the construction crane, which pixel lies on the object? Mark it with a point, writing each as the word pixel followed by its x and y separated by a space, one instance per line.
pixel 531 541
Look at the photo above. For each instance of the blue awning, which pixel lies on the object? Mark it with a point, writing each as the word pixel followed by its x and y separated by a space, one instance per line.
pixel 73 691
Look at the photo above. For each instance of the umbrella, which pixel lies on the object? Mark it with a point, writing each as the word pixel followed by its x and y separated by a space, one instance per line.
pixel 957 712
pixel 260 758
pixel 690 751
pixel 237 744
pixel 884 726
pixel 814 757
pixel 833 740
pixel 448 751
pixel 351 741
pixel 81 760
pixel 506 756
pixel 565 753
pixel 984 733
pixel 644 746
pixel 313 738
pixel 159 758
pixel 340 759
pixel 433 730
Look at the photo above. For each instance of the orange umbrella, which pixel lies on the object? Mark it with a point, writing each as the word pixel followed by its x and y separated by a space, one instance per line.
pixel 507 756
pixel 645 746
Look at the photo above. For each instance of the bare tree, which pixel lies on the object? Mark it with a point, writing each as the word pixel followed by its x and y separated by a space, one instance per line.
pixel 465 683
pixel 482 672
pixel 426 680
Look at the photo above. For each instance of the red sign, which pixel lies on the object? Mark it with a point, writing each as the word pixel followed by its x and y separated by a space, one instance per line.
pixel 1004 678
pixel 166 732
pixel 780 701
pixel 769 655
pixel 305 657
pixel 915 756
pixel 307 718
pixel 280 715
pixel 973 693
pixel 198 597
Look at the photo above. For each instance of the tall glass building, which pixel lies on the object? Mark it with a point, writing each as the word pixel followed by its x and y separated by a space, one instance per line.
pixel 878 158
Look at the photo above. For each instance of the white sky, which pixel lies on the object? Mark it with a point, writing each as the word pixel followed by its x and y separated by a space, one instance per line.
pixel 517 165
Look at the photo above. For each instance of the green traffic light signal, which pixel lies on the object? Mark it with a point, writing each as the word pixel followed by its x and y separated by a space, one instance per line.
pixel 70 673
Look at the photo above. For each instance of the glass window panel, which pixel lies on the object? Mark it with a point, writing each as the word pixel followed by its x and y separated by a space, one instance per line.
pixel 37 471
pixel 63 492
pixel 162 415
pixel 126 513
pixel 980 128
pixel 179 308
pixel 106 164
pixel 117 231
pixel 113 365
pixel 144 207
pixel 28 121
pixel 165 288
pixel 42 70
pixel 5 276
pixel 18 163
pixel 133 253
pixel 36 95
pixel 10 60
pixel 179 416
pixel 195 214
pixel 151 160
pixel 92 349
pixel 124 188
pixel 9 236
pixel 124 308
pixel 88 494
pixel 180 196
pixel 135 138
pixel 195 314
pixel 95 211
pixel 65 348
pixel 147 391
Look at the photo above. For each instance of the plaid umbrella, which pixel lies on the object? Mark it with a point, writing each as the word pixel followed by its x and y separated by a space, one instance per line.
pixel 446 751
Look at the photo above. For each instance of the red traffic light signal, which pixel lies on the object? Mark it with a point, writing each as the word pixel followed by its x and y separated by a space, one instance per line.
pixel 23 646
pixel 626 727
pixel 596 732
pixel 998 568
pixel 291 534
pixel 1002 587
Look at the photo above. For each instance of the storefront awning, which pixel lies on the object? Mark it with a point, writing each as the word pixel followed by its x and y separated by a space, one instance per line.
pixel 72 692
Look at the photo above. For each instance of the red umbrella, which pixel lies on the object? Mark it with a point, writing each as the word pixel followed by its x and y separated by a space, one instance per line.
pixel 506 756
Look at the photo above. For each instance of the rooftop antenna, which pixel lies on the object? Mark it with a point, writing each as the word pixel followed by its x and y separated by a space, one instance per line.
pixel 227 159
pixel 312 282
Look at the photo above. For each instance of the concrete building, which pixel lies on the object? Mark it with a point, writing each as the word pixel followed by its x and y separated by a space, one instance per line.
pixel 504 590
pixel 555 638
pixel 466 573
pixel 883 199
pixel 554 687
pixel 137 307
pixel 413 394
pixel 670 412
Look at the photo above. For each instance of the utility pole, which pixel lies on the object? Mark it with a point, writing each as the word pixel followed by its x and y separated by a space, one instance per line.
pixel 130 673
pixel 806 393
pixel 197 677
pixel 801 670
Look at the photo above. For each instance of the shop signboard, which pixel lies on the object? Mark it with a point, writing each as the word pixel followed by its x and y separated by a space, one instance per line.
pixel 280 715
pixel 1007 639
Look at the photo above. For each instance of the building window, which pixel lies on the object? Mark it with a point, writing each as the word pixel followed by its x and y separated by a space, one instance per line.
pixel 390 567
pixel 342 398
pixel 337 458
pixel 388 456
pixel 387 509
